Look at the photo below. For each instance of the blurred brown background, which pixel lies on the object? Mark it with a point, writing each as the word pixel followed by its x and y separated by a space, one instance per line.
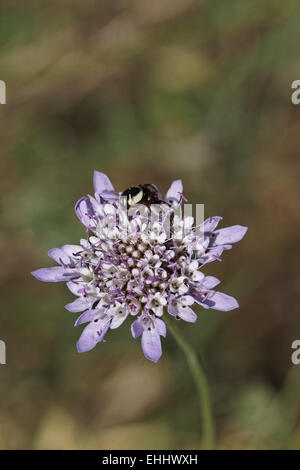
pixel 149 92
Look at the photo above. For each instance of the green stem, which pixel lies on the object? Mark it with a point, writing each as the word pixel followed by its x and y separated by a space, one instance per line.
pixel 201 384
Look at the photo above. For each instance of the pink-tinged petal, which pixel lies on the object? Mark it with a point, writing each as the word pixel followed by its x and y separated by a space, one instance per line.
pixel 174 193
pixel 77 305
pixel 136 328
pixel 102 183
pixel 229 235
pixel 161 327
pixel 55 274
pixel 222 302
pixel 210 224
pixel 209 282
pixel 187 314
pixel 151 345
pixel 92 334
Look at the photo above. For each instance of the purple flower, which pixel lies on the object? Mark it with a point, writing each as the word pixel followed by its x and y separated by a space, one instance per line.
pixel 131 266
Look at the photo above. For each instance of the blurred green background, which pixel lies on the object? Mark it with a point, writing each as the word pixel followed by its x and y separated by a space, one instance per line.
pixel 150 92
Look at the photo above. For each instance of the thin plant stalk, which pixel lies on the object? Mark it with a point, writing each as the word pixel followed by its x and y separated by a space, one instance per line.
pixel 199 377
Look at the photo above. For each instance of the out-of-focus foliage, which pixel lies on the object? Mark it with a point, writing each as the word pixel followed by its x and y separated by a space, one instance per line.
pixel 149 92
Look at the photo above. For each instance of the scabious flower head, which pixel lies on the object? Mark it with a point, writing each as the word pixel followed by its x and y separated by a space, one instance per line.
pixel 140 263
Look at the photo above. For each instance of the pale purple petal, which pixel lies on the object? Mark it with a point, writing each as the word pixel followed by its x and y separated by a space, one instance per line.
pixel 229 235
pixel 102 183
pixel 96 205
pixel 92 334
pixel 172 309
pixel 136 328
pixel 213 254
pixel 209 282
pixel 187 314
pixel 117 320
pixel 58 255
pixel 187 300
pixel 74 287
pixel 174 193
pixel 77 305
pixel 222 302
pixel 151 344
pixel 54 274
pixel 109 196
pixel 71 250
pixel 85 317
pixel 199 299
pixel 63 255
pixel 161 327
pixel 84 211
pixel 210 224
